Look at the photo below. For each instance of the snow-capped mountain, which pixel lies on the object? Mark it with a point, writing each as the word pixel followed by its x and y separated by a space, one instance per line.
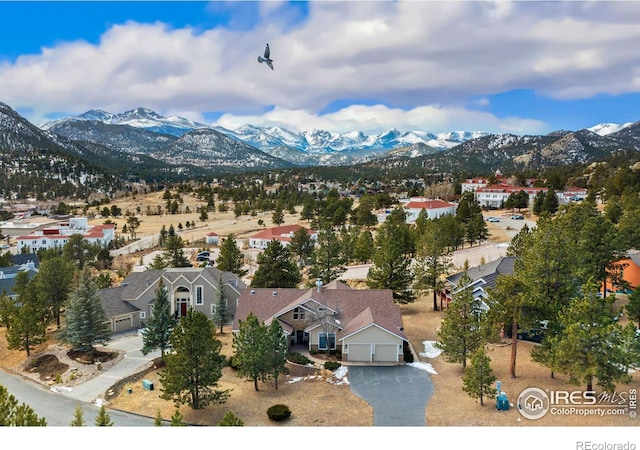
pixel 139 118
pixel 604 129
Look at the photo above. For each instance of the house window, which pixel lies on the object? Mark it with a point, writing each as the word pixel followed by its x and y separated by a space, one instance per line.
pixel 298 314
pixel 199 295
pixel 143 315
pixel 323 341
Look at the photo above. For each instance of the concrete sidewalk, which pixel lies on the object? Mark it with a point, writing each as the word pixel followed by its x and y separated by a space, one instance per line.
pixel 133 362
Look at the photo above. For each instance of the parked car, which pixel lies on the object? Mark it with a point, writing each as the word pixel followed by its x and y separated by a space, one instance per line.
pixel 533 335
pixel 517 217
pixel 493 219
pixel 203 256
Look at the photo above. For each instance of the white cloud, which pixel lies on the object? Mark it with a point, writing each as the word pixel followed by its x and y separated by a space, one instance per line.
pixel 421 59
pixel 372 119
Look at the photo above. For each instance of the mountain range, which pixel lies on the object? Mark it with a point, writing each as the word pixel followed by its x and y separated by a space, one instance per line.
pixel 144 144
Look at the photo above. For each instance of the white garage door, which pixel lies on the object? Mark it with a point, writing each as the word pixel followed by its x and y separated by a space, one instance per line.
pixel 360 352
pixel 386 353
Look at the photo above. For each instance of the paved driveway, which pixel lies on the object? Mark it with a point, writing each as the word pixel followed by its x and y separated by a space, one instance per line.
pixel 398 394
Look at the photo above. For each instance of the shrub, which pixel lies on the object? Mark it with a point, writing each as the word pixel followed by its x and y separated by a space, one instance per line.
pixel 230 420
pixel 298 358
pixel 408 355
pixel 279 412
pixel 233 363
pixel 331 365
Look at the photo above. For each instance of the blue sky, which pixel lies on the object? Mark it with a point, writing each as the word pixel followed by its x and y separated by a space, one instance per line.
pixel 521 67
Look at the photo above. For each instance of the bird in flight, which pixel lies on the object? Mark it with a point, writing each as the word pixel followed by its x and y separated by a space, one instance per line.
pixel 266 58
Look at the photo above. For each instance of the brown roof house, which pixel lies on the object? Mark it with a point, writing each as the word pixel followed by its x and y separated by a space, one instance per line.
pixel 130 304
pixel 365 326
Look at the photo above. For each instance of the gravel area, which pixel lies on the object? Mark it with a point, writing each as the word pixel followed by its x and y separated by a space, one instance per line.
pixel 77 373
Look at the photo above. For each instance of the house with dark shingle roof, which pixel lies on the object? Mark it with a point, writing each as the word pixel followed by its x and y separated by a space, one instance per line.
pixel 129 305
pixel 483 277
pixel 24 262
pixel 365 326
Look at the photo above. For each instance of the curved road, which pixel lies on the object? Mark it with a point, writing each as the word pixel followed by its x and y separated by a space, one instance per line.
pixel 58 408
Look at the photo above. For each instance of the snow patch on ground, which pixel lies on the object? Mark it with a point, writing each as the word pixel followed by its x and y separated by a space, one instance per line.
pixel 423 366
pixel 430 350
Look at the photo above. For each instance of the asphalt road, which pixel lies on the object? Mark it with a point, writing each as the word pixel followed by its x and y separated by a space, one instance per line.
pixel 397 394
pixel 58 408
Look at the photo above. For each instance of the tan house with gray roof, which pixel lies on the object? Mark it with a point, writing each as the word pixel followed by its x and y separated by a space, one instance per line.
pixel 365 326
pixel 129 305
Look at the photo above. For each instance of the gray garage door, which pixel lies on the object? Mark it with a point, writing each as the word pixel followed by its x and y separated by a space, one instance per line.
pixel 386 353
pixel 123 324
pixel 360 352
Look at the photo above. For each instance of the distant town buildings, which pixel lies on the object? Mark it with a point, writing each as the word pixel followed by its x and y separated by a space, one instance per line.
pixel 57 236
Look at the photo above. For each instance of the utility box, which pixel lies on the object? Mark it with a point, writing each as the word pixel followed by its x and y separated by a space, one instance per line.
pixel 502 402
pixel 147 384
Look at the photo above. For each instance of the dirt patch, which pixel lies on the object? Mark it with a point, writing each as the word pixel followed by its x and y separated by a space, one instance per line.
pixel 48 366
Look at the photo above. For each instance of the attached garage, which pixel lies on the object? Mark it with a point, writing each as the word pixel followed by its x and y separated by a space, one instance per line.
pixel 359 353
pixel 122 324
pixel 385 353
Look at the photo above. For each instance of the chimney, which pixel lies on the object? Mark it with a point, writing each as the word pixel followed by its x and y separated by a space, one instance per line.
pixel 319 283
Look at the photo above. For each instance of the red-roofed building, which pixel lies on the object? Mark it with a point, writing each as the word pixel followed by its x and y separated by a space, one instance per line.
pixel 213 238
pixel 433 208
pixel 283 234
pixel 58 236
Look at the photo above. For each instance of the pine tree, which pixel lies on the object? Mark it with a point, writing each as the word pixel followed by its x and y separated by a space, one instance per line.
pixel 478 378
pixel 633 307
pixel 86 320
pixel 174 255
pixel 391 267
pixel 433 259
pixel 278 216
pixel 157 421
pixel 231 258
pixel 276 268
pixel 157 333
pixel 54 280
pixel 194 368
pixel 230 420
pixel 364 247
pixel 460 334
pixel 103 419
pixel 251 347
pixel 78 417
pixel 277 350
pixel 326 258
pixel 590 346
pixel 221 315
pixel 302 245
pixel 13 414
pixel 30 318
pixel 177 419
